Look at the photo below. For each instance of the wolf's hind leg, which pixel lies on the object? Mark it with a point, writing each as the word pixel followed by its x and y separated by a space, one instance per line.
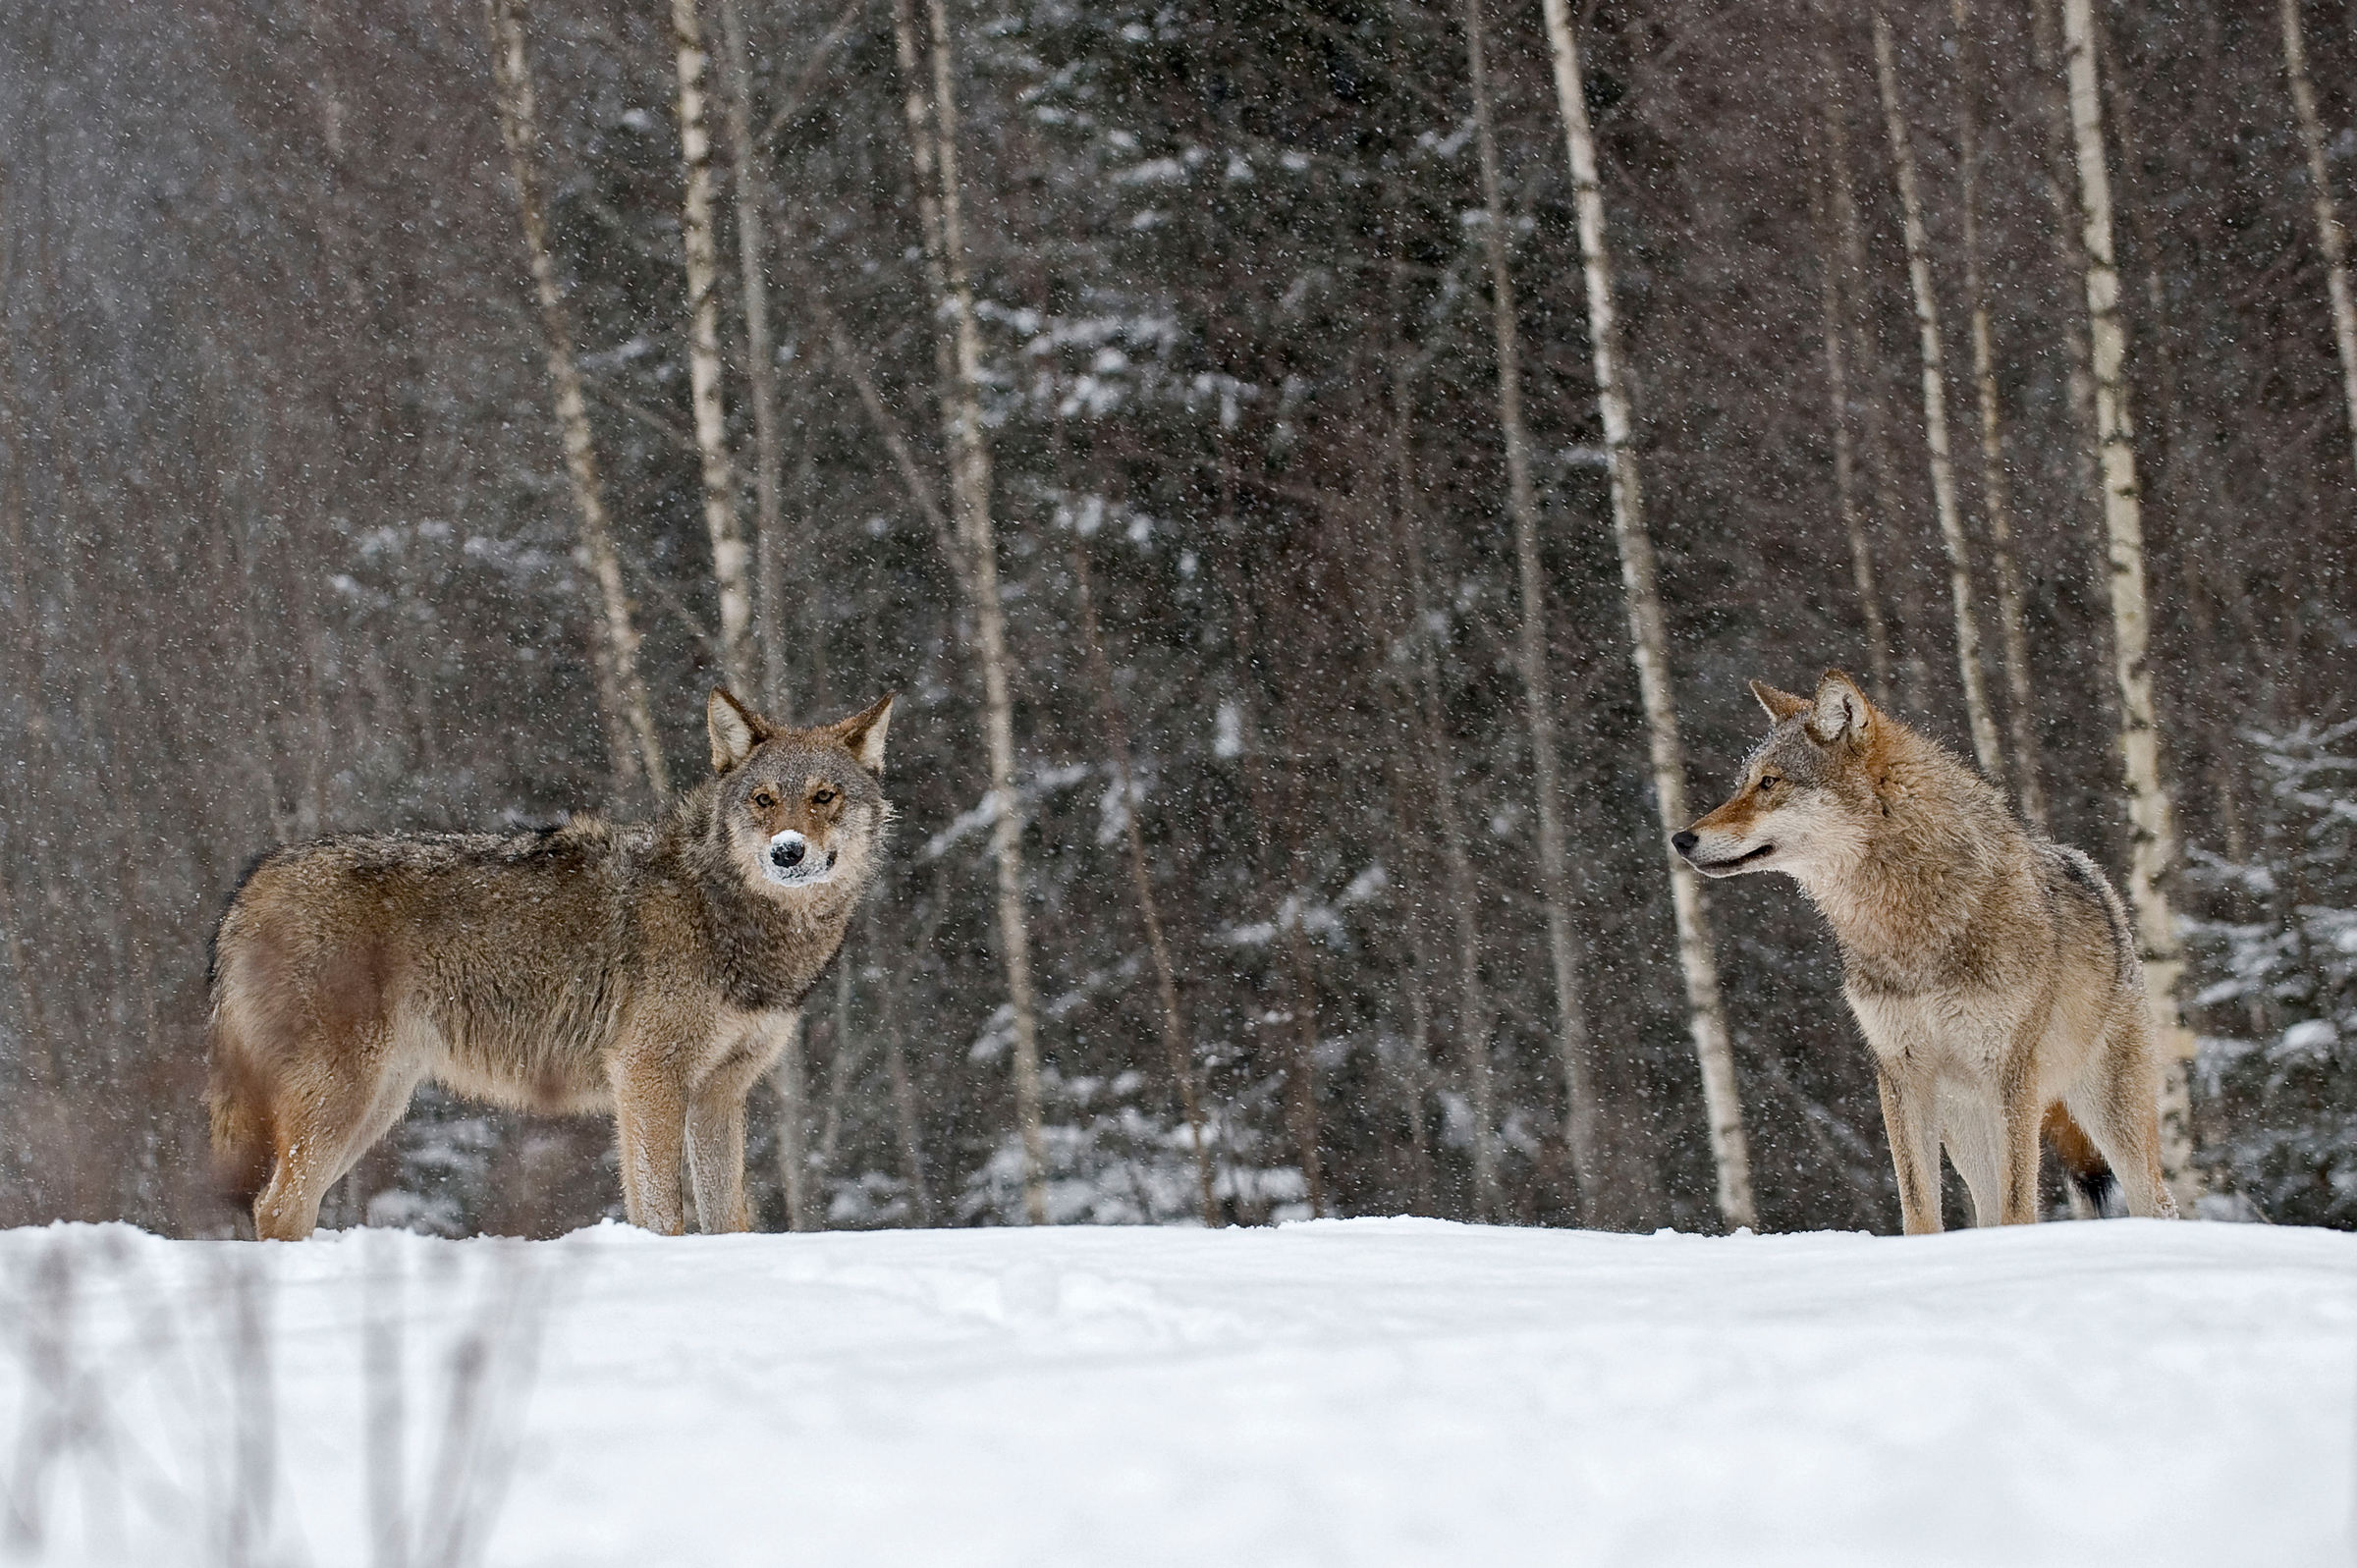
pixel 1908 1115
pixel 2119 1104
pixel 2018 1197
pixel 322 1126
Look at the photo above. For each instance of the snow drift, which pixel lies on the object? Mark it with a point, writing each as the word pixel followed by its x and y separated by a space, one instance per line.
pixel 1362 1392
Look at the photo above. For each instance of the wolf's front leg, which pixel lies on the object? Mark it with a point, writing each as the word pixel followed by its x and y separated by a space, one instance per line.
pixel 1915 1146
pixel 716 1162
pixel 716 1137
pixel 649 1121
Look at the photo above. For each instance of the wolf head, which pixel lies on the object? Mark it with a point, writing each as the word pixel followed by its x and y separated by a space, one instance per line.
pixel 1807 800
pixel 798 808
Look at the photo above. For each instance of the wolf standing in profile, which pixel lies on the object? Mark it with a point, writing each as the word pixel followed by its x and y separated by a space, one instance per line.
pixel 650 970
pixel 1992 970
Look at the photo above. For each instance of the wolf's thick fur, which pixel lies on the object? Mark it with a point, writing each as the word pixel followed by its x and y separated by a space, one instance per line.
pixel 1992 970
pixel 650 970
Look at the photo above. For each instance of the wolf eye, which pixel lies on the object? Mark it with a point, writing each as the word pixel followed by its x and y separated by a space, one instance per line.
pixel 822 797
pixel 764 800
pixel 1768 782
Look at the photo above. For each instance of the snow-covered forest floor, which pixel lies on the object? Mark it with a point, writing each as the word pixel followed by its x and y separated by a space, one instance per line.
pixel 1356 1393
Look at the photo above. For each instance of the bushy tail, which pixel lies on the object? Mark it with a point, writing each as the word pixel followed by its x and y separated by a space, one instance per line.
pixel 2083 1164
pixel 241 1117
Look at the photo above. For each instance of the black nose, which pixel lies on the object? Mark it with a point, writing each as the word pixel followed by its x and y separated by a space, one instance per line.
pixel 784 855
pixel 1684 843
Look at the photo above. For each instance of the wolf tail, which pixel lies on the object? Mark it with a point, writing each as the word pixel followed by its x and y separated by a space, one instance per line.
pixel 241 1118
pixel 2083 1164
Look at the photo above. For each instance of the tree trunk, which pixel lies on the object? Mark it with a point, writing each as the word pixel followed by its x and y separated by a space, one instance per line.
pixel 2331 237
pixel 1301 995
pixel 2013 632
pixel 632 749
pixel 730 567
pixel 1934 412
pixel 841 1068
pixel 1862 361
pixel 1475 1015
pixel 1530 647
pixel 791 1078
pixel 1415 1079
pixel 2054 106
pixel 1178 1049
pixel 932 111
pixel 1836 382
pixel 761 368
pixel 905 1125
pixel 791 1075
pixel 2153 838
pixel 1650 643
pixel 1289 920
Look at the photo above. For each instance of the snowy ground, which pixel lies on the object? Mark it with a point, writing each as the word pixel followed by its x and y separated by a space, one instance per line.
pixel 1366 1392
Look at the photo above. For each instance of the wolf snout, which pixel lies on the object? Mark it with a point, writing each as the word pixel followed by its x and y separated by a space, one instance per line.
pixel 787 849
pixel 1684 843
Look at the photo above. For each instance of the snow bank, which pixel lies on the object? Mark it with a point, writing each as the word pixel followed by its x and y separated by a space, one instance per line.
pixel 1365 1392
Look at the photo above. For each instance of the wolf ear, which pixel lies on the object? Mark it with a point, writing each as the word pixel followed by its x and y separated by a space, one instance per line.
pixel 1781 705
pixel 735 730
pixel 1840 711
pixel 862 734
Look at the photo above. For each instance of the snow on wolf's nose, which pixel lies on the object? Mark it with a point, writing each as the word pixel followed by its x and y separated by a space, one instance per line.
pixel 786 849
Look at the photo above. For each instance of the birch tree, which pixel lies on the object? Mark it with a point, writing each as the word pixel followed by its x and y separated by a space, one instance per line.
pixel 632 749
pixel 761 366
pixel 2152 845
pixel 731 579
pixel 2012 629
pixel 1848 279
pixel 931 108
pixel 2053 112
pixel 1985 747
pixel 789 1078
pixel 2331 237
pixel 1649 640
pixel 1837 381
pixel 1530 650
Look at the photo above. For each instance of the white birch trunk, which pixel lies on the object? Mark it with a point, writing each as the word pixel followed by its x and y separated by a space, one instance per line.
pixel 1860 360
pixel 2053 108
pixel 1934 412
pixel 2012 628
pixel 1837 393
pixel 1650 643
pixel 633 748
pixel 761 368
pixel 1522 508
pixel 2153 840
pixel 2331 237
pixel 932 112
pixel 731 568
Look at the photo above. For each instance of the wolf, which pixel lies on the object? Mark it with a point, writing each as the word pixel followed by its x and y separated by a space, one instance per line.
pixel 1992 970
pixel 646 970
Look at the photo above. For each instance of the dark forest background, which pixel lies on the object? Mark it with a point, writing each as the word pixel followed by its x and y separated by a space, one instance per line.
pixel 289 550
